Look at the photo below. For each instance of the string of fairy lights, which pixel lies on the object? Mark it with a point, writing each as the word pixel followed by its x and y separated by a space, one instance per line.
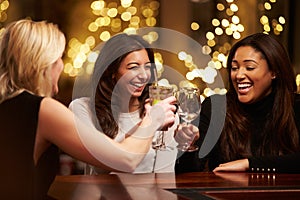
pixel 111 17
pixel 114 16
pixel 228 25
pixel 275 25
pixel 127 15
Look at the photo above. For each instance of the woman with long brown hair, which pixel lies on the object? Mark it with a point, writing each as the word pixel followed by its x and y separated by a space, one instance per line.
pixel 120 82
pixel 262 121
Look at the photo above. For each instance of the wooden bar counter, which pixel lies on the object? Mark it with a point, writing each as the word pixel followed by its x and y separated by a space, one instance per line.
pixel 197 185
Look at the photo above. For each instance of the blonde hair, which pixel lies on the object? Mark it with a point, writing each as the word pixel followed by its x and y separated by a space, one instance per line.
pixel 28 49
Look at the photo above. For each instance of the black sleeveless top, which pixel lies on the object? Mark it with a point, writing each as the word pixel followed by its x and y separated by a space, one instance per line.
pixel 20 178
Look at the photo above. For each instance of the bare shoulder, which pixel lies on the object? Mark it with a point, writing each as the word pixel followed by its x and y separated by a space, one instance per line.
pixel 51 107
pixel 50 103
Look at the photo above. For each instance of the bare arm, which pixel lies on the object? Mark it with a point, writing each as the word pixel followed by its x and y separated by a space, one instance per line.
pixel 58 125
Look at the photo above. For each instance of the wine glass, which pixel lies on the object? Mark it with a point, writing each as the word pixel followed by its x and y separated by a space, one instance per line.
pixel 189 107
pixel 156 94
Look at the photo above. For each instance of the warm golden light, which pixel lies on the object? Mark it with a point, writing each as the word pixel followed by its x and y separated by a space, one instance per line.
pixel 154 5
pixel 218 31
pixel 93 27
pixel 298 80
pixel 279 28
pixel 151 21
pixel 211 43
pixel 147 12
pixel 132 10
pixel 210 35
pixel 112 17
pixel 126 3
pixel 218 65
pixel 229 12
pixel 104 36
pixel 240 28
pixel 281 20
pixel 264 19
pixel 220 7
pixel 189 76
pixel 126 16
pixel 215 22
pixel 228 31
pixel 112 12
pixel 206 50
pixel 98 5
pixel 234 7
pixel 221 57
pixel 225 23
pixel 236 35
pixel 4 5
pixel 182 55
pixel 195 26
pixel 235 19
pixel 267 6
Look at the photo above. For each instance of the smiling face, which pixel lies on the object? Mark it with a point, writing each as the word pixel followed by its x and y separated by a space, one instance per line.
pixel 250 75
pixel 134 73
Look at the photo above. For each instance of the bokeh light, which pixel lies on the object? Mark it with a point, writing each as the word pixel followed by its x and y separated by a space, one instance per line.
pixel 110 17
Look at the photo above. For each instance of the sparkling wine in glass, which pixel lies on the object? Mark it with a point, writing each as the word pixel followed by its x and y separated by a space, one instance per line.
pixel 189 107
pixel 156 94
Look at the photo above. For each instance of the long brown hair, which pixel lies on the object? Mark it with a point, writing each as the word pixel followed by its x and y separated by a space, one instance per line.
pixel 280 132
pixel 107 64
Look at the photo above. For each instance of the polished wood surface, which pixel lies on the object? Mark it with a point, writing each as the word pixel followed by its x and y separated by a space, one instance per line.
pixel 200 185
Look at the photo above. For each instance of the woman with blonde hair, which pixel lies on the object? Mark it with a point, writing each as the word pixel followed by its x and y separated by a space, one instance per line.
pixel 33 125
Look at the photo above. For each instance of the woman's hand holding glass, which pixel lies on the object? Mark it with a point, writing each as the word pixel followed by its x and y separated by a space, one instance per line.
pixel 157 94
pixel 162 112
pixel 186 135
pixel 189 106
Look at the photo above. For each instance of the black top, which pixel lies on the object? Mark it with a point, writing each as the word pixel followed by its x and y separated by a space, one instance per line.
pixel 258 113
pixel 20 178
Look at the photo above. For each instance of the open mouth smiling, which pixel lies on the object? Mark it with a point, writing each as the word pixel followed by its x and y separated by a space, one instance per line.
pixel 138 85
pixel 244 87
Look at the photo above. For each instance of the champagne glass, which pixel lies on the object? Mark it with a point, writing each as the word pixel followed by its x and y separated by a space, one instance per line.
pixel 189 107
pixel 156 94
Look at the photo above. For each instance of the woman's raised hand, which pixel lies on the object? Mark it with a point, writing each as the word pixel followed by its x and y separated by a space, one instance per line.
pixel 186 135
pixel 162 114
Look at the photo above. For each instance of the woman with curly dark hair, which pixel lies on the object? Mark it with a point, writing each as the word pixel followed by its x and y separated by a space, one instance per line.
pixel 262 120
